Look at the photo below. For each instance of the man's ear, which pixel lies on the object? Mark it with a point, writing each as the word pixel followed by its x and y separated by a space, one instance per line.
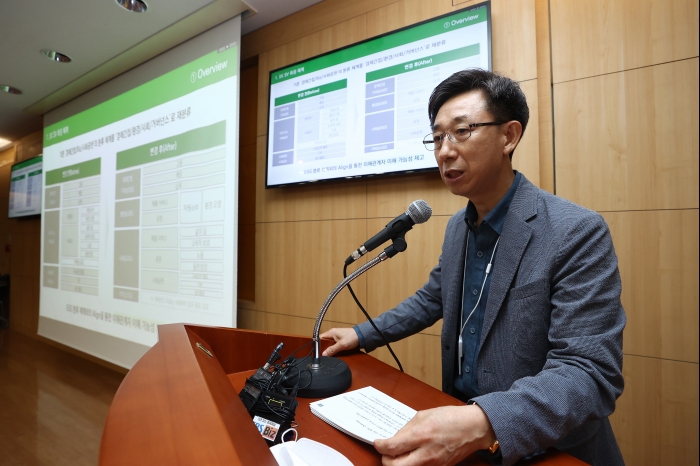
pixel 513 130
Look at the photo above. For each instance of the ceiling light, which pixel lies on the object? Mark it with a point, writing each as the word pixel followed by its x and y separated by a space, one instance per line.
pixel 137 6
pixel 4 142
pixel 55 56
pixel 9 89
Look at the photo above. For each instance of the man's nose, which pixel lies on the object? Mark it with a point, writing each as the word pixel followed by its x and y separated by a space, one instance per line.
pixel 447 151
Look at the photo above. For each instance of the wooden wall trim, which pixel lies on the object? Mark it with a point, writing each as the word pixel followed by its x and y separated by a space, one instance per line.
pixel 544 96
pixel 313 19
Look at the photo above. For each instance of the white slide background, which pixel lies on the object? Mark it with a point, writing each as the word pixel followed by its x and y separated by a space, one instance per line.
pixel 200 283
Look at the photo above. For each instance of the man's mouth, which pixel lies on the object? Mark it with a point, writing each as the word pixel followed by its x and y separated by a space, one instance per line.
pixel 452 174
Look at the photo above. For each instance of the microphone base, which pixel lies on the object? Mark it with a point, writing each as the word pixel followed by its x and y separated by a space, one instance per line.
pixel 332 378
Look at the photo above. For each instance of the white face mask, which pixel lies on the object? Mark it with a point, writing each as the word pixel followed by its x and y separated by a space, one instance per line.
pixel 306 452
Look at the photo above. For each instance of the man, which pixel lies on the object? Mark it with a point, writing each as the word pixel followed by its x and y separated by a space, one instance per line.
pixel 529 290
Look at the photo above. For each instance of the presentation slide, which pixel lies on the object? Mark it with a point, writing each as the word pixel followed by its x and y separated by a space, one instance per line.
pixel 25 188
pixel 363 110
pixel 139 221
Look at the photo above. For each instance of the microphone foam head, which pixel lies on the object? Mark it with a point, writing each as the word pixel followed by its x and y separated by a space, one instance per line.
pixel 419 211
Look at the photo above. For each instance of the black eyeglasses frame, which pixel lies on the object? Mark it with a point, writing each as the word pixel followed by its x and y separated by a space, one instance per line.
pixel 430 138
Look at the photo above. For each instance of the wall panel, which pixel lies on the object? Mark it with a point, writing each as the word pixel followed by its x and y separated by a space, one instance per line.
pixel 25 238
pixel 603 36
pixel 282 323
pixel 29 146
pixel 658 256
pixel 629 141
pixel 248 106
pixel 656 421
pixel 319 16
pixel 526 158
pixel 544 96
pixel 514 39
pixel 303 261
pixel 390 196
pixel 396 279
pixel 247 184
pixel 403 13
pixel 263 95
pixel 420 356
pixel 24 275
pixel 7 158
pixel 246 262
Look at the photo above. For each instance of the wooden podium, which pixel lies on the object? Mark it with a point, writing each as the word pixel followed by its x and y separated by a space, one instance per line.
pixel 180 406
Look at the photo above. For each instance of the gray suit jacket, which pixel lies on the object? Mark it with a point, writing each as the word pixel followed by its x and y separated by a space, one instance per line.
pixel 551 345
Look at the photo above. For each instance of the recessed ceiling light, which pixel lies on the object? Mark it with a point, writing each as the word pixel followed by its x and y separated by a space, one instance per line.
pixel 56 56
pixel 137 6
pixel 9 89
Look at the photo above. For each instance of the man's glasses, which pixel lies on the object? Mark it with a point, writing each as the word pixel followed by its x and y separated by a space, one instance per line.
pixel 457 133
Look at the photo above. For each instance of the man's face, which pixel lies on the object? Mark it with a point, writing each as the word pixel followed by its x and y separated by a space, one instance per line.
pixel 471 167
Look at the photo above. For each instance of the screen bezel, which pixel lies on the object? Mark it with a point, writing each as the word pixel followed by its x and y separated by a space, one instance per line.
pixel 486 3
pixel 12 167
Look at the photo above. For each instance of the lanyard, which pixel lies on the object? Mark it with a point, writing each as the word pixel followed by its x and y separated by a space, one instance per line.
pixel 460 353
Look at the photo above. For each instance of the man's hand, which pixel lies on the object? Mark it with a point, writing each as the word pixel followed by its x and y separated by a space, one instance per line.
pixel 345 339
pixel 439 436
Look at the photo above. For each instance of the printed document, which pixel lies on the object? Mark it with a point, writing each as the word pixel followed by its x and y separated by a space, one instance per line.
pixel 366 414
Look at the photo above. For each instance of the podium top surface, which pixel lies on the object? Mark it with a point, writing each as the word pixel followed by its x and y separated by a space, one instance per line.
pixel 179 405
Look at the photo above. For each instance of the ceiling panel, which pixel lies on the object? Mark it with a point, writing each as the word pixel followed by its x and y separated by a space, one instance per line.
pixel 103 40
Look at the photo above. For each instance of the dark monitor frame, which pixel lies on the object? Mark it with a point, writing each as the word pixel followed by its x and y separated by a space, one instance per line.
pixel 38 214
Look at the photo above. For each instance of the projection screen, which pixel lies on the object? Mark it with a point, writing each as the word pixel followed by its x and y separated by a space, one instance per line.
pixel 139 209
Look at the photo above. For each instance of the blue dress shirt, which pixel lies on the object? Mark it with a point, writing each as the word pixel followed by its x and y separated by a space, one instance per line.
pixel 480 247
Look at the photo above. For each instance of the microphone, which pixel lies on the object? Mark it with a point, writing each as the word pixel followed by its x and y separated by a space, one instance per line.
pixel 418 212
pixel 274 357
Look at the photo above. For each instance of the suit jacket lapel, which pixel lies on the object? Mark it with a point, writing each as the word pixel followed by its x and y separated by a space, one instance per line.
pixel 514 238
pixel 453 264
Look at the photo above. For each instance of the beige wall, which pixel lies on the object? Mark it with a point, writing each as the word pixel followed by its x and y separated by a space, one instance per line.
pixel 22 235
pixel 626 121
pixel 618 82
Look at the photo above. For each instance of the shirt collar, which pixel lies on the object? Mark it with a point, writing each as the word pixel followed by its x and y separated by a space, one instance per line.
pixel 497 217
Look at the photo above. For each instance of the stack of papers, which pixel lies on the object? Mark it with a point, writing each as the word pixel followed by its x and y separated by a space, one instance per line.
pixel 366 414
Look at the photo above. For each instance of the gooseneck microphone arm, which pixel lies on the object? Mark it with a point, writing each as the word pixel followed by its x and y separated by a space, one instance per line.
pixel 317 327
pixel 329 376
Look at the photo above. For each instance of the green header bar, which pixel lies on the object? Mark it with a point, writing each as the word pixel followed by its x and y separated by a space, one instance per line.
pixel 190 141
pixel 426 62
pixel 17 178
pixel 73 172
pixel 209 69
pixel 27 163
pixel 313 92
pixel 433 28
pixel 35 173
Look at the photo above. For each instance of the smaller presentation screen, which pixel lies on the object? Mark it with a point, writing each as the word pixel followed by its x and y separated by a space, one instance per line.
pixel 25 188
pixel 363 110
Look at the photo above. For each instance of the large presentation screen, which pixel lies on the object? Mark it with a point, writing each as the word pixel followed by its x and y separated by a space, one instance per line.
pixel 363 110
pixel 140 203
pixel 25 188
